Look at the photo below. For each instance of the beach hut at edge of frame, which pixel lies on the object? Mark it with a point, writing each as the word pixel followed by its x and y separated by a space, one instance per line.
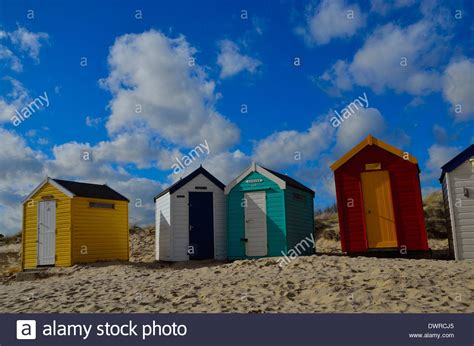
pixel 379 199
pixel 457 179
pixel 191 219
pixel 269 214
pixel 67 222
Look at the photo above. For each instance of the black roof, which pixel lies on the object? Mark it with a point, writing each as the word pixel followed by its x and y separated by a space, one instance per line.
pixel 183 181
pixel 457 161
pixel 91 190
pixel 291 182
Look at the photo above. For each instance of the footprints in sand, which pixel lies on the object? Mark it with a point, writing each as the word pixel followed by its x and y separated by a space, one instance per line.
pixel 312 284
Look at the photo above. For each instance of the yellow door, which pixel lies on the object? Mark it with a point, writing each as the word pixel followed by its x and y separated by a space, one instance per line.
pixel 379 218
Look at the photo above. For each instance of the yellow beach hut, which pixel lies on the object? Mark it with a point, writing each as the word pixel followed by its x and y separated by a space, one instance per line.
pixel 67 222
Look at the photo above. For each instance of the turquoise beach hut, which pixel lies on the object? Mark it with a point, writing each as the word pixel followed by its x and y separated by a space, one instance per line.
pixel 269 214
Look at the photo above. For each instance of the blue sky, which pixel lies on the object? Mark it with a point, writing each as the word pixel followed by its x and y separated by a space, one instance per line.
pixel 192 67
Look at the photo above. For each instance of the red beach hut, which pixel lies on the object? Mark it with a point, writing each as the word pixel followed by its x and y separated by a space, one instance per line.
pixel 379 199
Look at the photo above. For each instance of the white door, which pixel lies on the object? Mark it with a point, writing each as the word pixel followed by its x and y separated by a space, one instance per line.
pixel 256 224
pixel 46 232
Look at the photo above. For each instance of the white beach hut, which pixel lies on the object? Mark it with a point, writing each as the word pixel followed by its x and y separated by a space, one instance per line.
pixel 191 219
pixel 457 179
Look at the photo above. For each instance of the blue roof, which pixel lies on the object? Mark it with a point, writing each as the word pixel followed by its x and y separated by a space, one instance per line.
pixel 457 161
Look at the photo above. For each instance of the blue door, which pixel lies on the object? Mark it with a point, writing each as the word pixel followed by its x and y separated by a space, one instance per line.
pixel 201 226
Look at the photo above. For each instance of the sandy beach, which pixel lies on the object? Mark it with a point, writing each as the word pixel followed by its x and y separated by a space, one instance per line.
pixel 319 283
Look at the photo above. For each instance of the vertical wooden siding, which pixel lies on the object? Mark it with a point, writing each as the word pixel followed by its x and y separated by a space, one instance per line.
pixel 276 221
pixel 299 219
pixel 350 211
pixel 463 209
pixel 99 234
pixel 406 195
pixel 63 227
pixel 163 228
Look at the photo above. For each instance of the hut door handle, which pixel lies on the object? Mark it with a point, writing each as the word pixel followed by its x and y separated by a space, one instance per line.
pixel 247 220
pixel 368 212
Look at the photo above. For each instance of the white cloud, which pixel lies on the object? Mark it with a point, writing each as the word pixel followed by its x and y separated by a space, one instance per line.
pixel 385 6
pixel 381 63
pixel 153 85
pixel 332 19
pixel 285 148
pixel 12 101
pixel 24 168
pixel 364 122
pixel 13 61
pixel 139 147
pixel 458 87
pixel 233 62
pixel 440 133
pixel 438 155
pixel 337 78
pixel 28 41
pixel 140 192
pixel 225 166
pixel 21 167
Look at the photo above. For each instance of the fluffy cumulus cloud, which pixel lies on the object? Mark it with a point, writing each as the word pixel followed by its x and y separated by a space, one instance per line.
pixel 156 83
pixel 224 166
pixel 232 61
pixel 458 88
pixel 394 57
pixel 331 19
pixel 29 42
pixel 10 58
pixel 23 168
pixel 23 40
pixel 12 101
pixel 285 148
pixel 20 168
pixel 438 155
pixel 161 105
pixel 364 122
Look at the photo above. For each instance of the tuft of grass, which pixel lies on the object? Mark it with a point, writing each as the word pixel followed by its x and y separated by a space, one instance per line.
pixel 11 239
pixel 327 227
pixel 435 215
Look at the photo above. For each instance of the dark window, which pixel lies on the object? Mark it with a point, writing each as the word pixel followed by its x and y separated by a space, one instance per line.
pixel 200 187
pixel 101 205
pixel 180 196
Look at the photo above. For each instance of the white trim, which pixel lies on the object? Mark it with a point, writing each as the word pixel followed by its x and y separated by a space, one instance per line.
pixel 43 183
pixel 255 168
pixel 452 217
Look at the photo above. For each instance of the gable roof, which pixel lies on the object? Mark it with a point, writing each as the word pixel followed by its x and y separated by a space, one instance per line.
pixel 183 181
pixel 290 181
pixel 458 160
pixel 371 140
pixel 77 189
pixel 91 190
pixel 281 179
